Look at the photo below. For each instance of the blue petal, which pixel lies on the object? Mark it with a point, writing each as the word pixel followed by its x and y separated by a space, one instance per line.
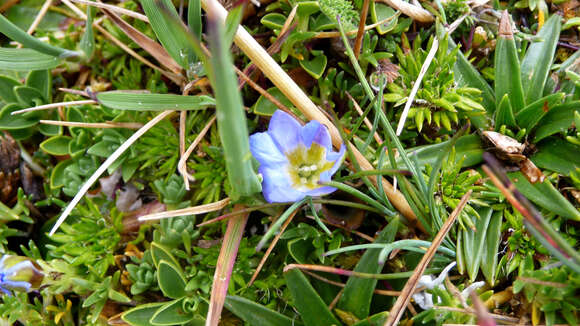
pixel 16 285
pixel 277 187
pixel 265 150
pixel 316 132
pixel 325 190
pixel 336 157
pixel 285 131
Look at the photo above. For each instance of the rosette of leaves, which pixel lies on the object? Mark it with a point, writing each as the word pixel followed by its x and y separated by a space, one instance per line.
pixel 142 274
pixel 440 102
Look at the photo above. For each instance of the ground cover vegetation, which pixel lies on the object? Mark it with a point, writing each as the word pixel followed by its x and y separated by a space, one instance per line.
pixel 281 162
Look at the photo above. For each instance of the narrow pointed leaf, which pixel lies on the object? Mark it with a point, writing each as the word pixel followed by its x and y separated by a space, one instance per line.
pixel 123 100
pixel 557 155
pixel 536 63
pixel 311 307
pixel 141 315
pixel 504 114
pixel 529 117
pixel 257 315
pixel 507 66
pixel 474 242
pixel 88 39
pixel 26 59
pixel 492 241
pixel 558 119
pixel 358 292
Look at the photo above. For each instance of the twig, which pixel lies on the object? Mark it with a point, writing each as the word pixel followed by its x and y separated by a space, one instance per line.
pixel 201 209
pixel 405 298
pixel 361 28
pixel 54 105
pixel 376 291
pixel 416 12
pixel 271 247
pixel 116 154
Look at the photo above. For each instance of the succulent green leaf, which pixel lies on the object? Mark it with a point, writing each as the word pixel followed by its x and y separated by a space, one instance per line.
pixel 7 85
pixel 379 12
pixel 171 280
pixel 57 145
pixel 173 313
pixel 314 67
pixel 273 20
pixel 141 315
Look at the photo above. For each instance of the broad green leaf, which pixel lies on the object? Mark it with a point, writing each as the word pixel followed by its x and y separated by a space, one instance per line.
pixel 504 114
pixel 379 12
pixel 41 80
pixel 7 85
pixel 273 20
pixel 492 241
pixel 176 313
pixel 507 68
pixel 358 292
pixel 313 311
pixel 231 118
pixel 28 96
pixel 474 242
pixel 536 64
pixel 13 32
pixel 545 195
pixel 87 43
pixel 122 100
pixel 26 59
pixel 263 106
pixel 141 315
pixel 557 155
pixel 159 253
pixel 171 280
pixel 58 174
pixel 528 117
pixel 257 315
pixel 174 42
pixel 558 119
pixel 314 67
pixel 57 145
pixel 14 122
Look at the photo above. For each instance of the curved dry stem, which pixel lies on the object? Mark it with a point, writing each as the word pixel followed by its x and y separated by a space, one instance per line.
pixel 417 13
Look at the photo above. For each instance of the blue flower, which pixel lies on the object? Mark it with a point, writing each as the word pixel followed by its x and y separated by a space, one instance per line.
pixel 18 273
pixel 294 159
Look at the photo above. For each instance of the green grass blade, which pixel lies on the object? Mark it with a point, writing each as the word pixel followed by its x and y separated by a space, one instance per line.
pixel 309 304
pixel 256 314
pixel 507 66
pixel 529 117
pixel 122 100
pixel 163 22
pixel 16 34
pixel 358 292
pixel 474 241
pixel 490 252
pixel 536 64
pixel 231 118
pixel 88 40
pixel 194 18
pixel 26 59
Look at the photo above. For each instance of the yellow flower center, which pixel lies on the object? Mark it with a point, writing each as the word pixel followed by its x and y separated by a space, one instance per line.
pixel 306 165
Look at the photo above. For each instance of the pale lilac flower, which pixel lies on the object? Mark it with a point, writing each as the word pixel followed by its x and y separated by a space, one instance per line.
pixel 18 273
pixel 294 159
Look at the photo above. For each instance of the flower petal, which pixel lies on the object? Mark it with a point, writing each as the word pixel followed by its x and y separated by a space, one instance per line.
pixel 336 157
pixel 316 132
pixel 324 190
pixel 265 150
pixel 277 186
pixel 284 130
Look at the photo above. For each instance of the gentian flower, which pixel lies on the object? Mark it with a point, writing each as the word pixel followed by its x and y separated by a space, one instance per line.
pixel 294 159
pixel 18 273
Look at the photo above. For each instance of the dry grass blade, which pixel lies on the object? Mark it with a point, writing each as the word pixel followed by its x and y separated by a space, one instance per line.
pixel 54 106
pixel 116 9
pixel 38 18
pixel 416 12
pixel 127 125
pixel 296 95
pixel 147 44
pixel 263 92
pixel 271 247
pixel 404 299
pixel 201 209
pixel 342 285
pixel 116 154
pixel 182 164
pixel 415 88
pixel 225 265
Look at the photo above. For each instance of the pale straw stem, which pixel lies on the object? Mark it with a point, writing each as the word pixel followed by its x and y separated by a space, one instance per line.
pixel 54 105
pixel 105 125
pixel 116 9
pixel 201 209
pixel 181 165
